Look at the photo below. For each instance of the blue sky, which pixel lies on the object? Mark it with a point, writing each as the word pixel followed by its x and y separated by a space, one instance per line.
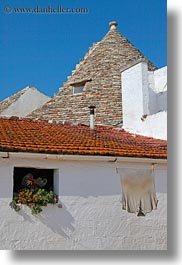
pixel 41 50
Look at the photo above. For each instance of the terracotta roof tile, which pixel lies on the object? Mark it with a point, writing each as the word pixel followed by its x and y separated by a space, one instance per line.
pixel 24 135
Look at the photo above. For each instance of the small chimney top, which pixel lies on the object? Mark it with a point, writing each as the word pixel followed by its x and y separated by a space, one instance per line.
pixel 113 24
pixel 92 109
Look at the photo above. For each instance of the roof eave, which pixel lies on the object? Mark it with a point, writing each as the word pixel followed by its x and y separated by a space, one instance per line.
pixel 82 157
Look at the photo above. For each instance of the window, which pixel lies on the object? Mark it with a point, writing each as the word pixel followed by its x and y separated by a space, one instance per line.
pixel 79 86
pixel 31 177
pixel 78 89
pixel 35 187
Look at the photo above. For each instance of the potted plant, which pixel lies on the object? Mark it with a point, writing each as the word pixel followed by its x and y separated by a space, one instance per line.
pixel 33 195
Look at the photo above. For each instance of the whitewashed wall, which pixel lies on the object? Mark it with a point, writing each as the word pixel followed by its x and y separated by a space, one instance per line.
pixel 91 217
pixel 145 93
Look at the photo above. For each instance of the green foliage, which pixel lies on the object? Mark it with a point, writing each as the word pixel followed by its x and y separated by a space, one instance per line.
pixel 14 206
pixel 33 198
pixel 36 208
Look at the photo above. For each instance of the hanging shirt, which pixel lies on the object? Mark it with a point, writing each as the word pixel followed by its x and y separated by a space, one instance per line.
pixel 138 190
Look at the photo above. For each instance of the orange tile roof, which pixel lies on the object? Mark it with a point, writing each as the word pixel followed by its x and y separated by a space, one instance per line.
pixel 24 135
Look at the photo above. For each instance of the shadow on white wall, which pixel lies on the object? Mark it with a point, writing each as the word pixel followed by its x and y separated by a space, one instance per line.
pixel 60 221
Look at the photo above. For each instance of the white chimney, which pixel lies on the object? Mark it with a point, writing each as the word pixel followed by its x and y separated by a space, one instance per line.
pixel 91 117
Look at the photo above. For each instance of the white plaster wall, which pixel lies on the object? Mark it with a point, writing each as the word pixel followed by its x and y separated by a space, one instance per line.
pixel 157 86
pixel 144 93
pixel 91 217
pixel 132 94
pixel 160 77
pixel 26 103
pixel 153 126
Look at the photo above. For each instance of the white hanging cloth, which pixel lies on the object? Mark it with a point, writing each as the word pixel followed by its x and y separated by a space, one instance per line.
pixel 138 190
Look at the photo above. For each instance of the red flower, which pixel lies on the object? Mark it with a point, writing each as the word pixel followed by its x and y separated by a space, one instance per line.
pixel 31 182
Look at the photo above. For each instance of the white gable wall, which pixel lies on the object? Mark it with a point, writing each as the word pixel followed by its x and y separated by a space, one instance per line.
pixel 144 100
pixel 26 103
pixel 91 217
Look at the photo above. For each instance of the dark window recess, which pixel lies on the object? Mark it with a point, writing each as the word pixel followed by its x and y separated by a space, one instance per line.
pixel 27 177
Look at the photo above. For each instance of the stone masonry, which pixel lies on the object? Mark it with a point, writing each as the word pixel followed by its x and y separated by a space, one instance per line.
pixel 100 73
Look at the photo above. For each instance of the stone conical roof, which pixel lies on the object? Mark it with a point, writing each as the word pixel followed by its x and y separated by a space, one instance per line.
pixel 20 104
pixel 8 101
pixel 100 72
